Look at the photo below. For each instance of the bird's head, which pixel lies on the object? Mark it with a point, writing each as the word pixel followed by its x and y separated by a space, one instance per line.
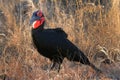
pixel 37 20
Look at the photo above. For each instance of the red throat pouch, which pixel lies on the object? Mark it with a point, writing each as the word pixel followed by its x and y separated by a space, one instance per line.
pixel 38 23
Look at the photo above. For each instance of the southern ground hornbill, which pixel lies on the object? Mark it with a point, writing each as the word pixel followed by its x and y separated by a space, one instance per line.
pixel 53 43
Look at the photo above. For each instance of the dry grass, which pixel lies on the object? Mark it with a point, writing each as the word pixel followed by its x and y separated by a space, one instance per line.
pixel 87 26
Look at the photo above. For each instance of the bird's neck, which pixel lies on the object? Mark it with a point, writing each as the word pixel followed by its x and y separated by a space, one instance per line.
pixel 39 23
pixel 39 29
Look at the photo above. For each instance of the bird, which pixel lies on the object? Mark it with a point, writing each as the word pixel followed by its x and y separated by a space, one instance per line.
pixel 54 44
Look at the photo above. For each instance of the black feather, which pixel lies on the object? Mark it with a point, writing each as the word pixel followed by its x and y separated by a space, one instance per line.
pixel 53 44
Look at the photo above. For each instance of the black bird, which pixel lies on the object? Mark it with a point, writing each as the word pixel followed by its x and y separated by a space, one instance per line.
pixel 53 43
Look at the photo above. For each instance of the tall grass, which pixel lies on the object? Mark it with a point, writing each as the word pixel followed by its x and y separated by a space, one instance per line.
pixel 87 26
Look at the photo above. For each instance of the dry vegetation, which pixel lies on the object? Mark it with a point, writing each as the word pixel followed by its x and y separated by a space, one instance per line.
pixel 86 24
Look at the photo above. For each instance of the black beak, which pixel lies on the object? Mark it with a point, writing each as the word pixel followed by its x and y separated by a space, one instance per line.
pixel 34 17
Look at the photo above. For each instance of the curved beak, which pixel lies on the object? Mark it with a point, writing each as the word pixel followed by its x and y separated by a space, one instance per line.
pixel 34 18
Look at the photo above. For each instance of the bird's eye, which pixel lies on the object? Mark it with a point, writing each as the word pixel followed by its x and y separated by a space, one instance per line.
pixel 39 13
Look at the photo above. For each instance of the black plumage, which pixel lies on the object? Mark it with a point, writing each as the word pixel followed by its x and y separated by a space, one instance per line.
pixel 53 44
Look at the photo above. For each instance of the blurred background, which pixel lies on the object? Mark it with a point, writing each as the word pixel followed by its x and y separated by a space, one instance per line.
pixel 92 25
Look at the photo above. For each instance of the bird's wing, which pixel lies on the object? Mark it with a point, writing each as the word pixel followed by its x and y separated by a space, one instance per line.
pixel 53 42
pixel 61 31
pixel 50 39
pixel 50 44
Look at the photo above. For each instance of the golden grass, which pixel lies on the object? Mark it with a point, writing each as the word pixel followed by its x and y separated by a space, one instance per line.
pixel 20 61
